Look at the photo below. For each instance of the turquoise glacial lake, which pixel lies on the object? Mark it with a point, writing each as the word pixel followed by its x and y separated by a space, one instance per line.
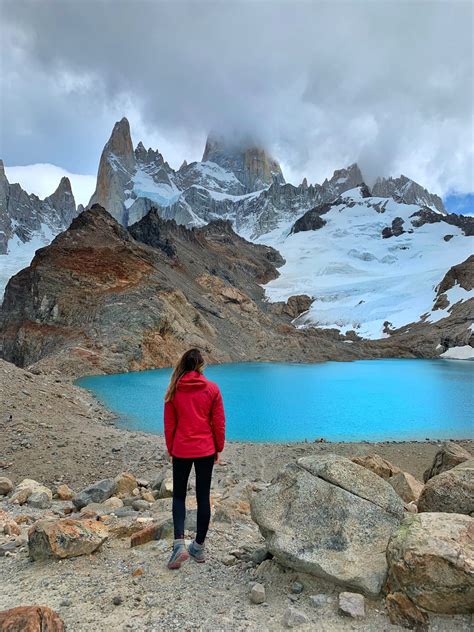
pixel 372 400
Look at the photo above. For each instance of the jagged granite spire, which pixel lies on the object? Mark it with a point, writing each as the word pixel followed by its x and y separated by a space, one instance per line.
pixel 116 168
pixel 345 179
pixel 408 191
pixel 250 164
pixel 63 200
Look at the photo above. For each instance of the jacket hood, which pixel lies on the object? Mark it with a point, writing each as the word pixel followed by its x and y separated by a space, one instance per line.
pixel 191 381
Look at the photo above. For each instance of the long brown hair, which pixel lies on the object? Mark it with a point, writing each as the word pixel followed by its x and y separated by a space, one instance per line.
pixel 192 360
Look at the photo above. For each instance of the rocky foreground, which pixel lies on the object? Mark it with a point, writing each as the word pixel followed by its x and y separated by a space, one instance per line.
pixel 301 536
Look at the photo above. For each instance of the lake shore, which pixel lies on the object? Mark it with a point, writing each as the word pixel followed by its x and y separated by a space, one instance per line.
pixel 60 432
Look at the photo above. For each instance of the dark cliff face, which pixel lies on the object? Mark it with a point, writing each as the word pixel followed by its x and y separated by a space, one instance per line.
pixel 427 216
pixel 461 274
pixel 312 219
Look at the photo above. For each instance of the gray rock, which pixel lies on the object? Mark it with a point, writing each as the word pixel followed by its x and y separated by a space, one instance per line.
pixel 124 512
pixel 297 588
pixel 96 493
pixel 8 547
pixel 352 605
pixel 39 500
pixel 450 492
pixel 257 593
pixel 258 555
pixel 448 456
pixel 156 483
pixel 330 517
pixel 318 600
pixel 140 505
pixel 355 479
pixel 293 618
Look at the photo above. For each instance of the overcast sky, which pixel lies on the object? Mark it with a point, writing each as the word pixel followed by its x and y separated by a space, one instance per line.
pixel 320 84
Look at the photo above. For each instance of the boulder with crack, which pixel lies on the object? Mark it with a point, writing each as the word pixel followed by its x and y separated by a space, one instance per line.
pixel 330 517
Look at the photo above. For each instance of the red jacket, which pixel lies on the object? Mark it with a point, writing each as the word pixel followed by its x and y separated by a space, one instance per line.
pixel 194 418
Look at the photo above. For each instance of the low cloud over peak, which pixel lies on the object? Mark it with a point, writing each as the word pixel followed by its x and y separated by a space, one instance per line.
pixel 320 85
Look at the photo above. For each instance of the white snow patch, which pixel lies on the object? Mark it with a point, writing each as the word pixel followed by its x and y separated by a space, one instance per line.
pixel 20 255
pixel 465 352
pixel 360 280
pixel 145 187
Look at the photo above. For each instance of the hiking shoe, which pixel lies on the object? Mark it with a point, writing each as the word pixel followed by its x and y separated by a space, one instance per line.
pixel 197 551
pixel 179 555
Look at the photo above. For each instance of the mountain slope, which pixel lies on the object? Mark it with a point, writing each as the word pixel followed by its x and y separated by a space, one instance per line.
pixel 99 299
pixel 28 223
pixel 371 264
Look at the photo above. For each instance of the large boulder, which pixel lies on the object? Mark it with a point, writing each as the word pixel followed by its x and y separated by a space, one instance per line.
pixel 29 487
pixel 406 486
pixel 431 561
pixel 448 456
pixel 31 619
pixel 377 465
pixel 65 538
pixel 95 493
pixel 450 492
pixel 328 516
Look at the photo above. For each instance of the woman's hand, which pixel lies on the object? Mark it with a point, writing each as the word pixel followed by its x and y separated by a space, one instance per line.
pixel 217 458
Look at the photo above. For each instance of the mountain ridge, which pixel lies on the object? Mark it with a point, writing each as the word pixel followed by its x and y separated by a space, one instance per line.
pixel 235 180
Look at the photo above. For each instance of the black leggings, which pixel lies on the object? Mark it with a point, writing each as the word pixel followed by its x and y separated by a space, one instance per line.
pixel 181 470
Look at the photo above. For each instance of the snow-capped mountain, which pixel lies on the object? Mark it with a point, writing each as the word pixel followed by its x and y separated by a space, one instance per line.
pixel 28 223
pixel 367 260
pixel 370 260
pixel 369 263
pixel 130 182
pixel 237 182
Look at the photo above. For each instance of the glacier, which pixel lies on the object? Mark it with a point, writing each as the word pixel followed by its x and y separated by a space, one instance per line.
pixel 360 281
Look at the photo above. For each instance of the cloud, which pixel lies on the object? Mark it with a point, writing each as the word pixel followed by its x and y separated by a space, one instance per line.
pixel 43 179
pixel 321 84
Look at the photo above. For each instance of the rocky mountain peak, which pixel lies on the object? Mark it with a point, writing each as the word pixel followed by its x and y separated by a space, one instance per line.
pixel 250 163
pixel 407 191
pixel 2 169
pixel 116 167
pixel 347 178
pixel 63 200
pixel 120 143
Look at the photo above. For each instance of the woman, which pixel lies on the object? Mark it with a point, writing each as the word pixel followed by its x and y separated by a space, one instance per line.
pixel 195 434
